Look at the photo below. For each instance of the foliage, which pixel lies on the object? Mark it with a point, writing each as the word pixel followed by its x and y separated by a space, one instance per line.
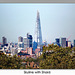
pixel 31 59
pixel 8 62
pixel 55 57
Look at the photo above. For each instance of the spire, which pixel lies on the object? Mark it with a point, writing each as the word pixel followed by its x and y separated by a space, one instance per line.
pixel 37 13
pixel 38 34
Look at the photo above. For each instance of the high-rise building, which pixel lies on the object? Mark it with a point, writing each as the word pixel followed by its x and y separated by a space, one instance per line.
pixel 29 37
pixel 27 41
pixel 20 43
pixel 63 42
pixel 20 39
pixel 34 45
pixel 4 40
pixel 66 43
pixel 74 43
pixel 38 34
pixel 57 41
pixel 69 43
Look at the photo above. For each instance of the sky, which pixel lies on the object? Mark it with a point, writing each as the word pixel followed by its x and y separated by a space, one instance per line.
pixel 18 19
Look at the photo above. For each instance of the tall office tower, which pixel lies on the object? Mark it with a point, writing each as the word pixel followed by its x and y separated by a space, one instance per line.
pixel 63 42
pixel 57 41
pixel 66 43
pixel 20 39
pixel 27 41
pixel 38 34
pixel 74 43
pixel 20 43
pixel 4 40
pixel 29 37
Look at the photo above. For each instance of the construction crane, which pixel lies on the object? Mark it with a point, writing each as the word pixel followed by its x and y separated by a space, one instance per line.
pixel 68 37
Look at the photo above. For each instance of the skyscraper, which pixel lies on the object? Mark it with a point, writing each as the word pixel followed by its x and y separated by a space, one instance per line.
pixel 63 42
pixel 57 41
pixel 4 40
pixel 29 37
pixel 74 43
pixel 20 39
pixel 27 41
pixel 38 34
pixel 20 42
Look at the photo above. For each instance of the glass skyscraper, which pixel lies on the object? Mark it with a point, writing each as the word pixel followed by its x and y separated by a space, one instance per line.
pixel 63 42
pixel 38 34
pixel 28 41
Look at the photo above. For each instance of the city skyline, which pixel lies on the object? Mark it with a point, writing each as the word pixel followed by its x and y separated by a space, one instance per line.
pixel 57 20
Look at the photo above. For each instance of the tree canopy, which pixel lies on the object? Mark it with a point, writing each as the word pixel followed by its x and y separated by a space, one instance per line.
pixel 55 57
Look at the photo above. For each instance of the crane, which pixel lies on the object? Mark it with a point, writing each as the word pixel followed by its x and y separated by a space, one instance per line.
pixel 68 37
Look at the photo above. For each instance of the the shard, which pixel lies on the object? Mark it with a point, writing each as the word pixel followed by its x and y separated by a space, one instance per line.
pixel 38 34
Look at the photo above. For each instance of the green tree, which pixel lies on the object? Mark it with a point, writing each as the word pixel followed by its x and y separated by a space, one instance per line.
pixel 55 57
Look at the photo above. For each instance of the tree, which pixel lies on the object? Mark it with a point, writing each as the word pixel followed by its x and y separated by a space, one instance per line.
pixel 55 57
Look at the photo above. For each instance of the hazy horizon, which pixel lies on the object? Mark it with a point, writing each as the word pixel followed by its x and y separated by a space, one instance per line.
pixel 57 20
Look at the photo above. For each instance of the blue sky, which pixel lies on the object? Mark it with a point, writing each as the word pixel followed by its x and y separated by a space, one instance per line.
pixel 57 20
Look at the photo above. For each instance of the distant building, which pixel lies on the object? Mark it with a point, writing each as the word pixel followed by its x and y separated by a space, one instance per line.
pixel 4 40
pixel 14 51
pixel 66 43
pixel 69 43
pixel 57 41
pixel 74 43
pixel 27 41
pixel 34 45
pixel 20 39
pixel 20 44
pixel 63 42
pixel 38 33
pixel 29 37
pixel 29 50
pixel 37 51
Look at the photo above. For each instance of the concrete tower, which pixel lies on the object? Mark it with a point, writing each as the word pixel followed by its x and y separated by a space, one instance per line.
pixel 38 34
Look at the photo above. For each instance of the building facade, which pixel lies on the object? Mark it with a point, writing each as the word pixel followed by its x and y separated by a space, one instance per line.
pixel 69 43
pixel 20 39
pixel 63 42
pixel 4 40
pixel 27 41
pixel 74 43
pixel 20 44
pixel 57 41
pixel 38 34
